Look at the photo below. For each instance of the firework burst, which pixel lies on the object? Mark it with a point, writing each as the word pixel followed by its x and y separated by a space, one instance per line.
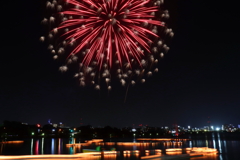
pixel 108 38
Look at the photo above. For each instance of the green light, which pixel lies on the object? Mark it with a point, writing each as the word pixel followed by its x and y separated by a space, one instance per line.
pixel 32 133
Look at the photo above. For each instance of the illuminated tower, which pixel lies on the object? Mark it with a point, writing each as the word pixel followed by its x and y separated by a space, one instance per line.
pixel 209 123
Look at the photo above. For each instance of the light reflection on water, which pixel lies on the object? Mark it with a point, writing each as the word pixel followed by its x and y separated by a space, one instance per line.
pixel 53 145
pixel 42 149
pixel 31 147
pixel 206 157
pixel 37 147
pixel 59 146
pixel 228 150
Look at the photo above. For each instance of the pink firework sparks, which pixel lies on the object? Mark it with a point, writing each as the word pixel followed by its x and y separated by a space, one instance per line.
pixel 104 36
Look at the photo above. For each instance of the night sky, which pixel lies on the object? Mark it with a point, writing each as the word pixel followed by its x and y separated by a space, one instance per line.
pixel 198 78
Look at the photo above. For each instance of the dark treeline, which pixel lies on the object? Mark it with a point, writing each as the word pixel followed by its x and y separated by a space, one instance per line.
pixel 16 130
pixel 11 129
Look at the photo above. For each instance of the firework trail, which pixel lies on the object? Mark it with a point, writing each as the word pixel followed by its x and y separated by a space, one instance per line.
pixel 107 38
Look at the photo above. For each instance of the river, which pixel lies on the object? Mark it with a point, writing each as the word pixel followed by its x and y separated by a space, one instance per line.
pixel 227 149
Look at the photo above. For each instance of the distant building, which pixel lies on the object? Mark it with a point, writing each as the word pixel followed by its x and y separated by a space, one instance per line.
pixel 206 128
pixel 61 124
pixel 228 128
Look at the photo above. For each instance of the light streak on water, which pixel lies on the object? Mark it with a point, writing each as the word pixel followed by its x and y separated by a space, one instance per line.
pixel 37 147
pixel 206 143
pixel 42 146
pixel 53 145
pixel 214 144
pixel 31 151
pixel 219 144
pixel 225 145
pixel 59 145
pixel 190 144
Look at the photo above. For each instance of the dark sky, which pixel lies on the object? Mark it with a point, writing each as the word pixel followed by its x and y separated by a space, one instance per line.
pixel 199 77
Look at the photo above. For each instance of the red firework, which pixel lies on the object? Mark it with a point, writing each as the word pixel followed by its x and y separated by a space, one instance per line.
pixel 106 36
